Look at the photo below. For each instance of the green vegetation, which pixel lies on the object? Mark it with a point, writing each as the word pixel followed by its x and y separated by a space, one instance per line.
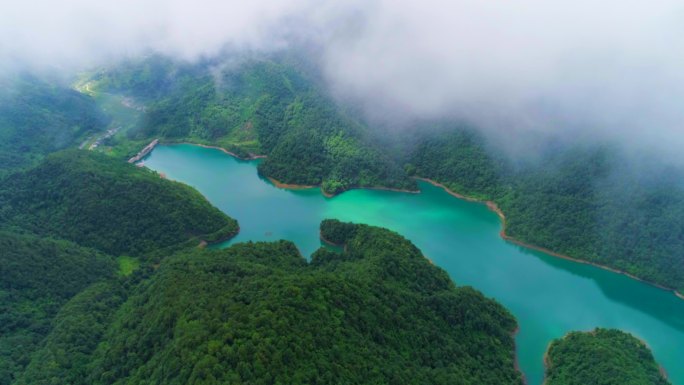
pixel 127 265
pixel 458 159
pixel 37 118
pixel 264 106
pixel 338 233
pixel 57 297
pixel 219 315
pixel 38 277
pixel 601 357
pixel 586 201
pixel 107 204
pixel 258 313
pixel 255 313
pixel 78 327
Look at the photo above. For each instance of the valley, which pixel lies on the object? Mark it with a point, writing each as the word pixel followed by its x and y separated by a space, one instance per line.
pixel 548 296
pixel 264 142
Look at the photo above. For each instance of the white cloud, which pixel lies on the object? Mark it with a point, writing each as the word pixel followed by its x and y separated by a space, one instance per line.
pixel 78 31
pixel 608 69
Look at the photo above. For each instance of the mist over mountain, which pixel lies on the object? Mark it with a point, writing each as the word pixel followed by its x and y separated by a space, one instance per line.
pixel 562 117
pixel 574 71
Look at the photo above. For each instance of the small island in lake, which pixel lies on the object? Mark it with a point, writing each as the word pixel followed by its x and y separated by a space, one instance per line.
pixel 601 357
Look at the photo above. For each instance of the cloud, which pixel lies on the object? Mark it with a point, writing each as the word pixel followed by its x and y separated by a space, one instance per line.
pixel 77 32
pixel 578 69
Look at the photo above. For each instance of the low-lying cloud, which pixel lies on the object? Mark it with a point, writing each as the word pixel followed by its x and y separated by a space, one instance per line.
pixel 578 69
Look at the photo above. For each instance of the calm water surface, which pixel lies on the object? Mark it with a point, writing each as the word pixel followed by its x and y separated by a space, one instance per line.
pixel 549 296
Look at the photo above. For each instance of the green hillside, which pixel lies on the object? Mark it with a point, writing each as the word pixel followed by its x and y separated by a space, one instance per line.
pixel 50 213
pixel 37 118
pixel 104 203
pixel 65 353
pixel 256 107
pixel 38 276
pixel 589 202
pixel 601 357
pixel 258 313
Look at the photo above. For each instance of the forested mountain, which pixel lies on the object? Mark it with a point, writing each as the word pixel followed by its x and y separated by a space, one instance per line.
pixel 378 312
pixel 458 158
pixel 93 201
pixel 38 276
pixel 589 202
pixel 257 106
pixel 258 313
pixel 37 118
pixel 65 353
pixel 601 357
pixel 583 200
pixel 104 203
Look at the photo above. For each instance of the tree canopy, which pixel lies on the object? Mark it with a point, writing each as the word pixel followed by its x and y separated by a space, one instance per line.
pixel 104 203
pixel 259 313
pixel 585 200
pixel 38 118
pixel 38 277
pixel 601 357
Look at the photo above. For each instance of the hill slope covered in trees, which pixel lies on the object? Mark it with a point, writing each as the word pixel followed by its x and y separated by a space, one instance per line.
pixel 104 203
pixel 589 202
pixel 601 357
pixel 585 200
pixel 37 118
pixel 38 277
pixel 257 106
pixel 258 313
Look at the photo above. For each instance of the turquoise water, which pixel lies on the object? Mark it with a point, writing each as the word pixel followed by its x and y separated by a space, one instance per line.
pixel 549 296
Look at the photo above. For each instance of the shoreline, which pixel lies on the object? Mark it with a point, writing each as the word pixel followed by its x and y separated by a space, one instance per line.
pixel 289 186
pixel 492 206
pixel 663 372
pixel 514 333
pixel 204 243
pixel 547 364
pixel 376 188
pixel 234 155
pixel 292 186
pixel 546 360
pixel 381 188
pixel 331 243
pixel 516 361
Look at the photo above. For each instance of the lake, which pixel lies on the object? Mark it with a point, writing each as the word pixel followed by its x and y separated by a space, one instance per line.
pixel 549 296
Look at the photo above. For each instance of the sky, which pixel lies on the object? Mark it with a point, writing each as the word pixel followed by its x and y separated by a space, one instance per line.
pixel 601 71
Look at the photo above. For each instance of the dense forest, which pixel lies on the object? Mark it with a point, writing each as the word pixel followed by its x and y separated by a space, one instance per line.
pixel 38 277
pixel 264 107
pixel 601 357
pixel 78 327
pixel 104 203
pixel 584 200
pixel 588 202
pixel 39 117
pixel 63 221
pixel 259 313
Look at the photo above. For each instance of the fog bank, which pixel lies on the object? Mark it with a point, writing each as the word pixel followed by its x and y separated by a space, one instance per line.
pixel 598 71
